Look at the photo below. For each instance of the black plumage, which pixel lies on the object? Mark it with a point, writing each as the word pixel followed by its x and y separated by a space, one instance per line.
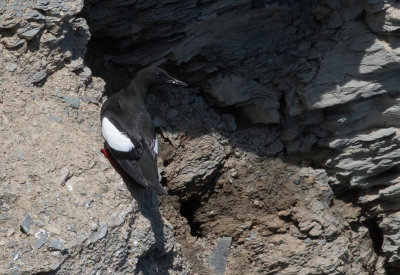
pixel 127 111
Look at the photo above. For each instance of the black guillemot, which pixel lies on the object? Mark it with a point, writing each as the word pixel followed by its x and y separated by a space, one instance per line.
pixel 127 127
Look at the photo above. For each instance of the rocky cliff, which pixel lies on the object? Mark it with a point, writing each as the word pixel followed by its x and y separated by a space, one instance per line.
pixel 280 158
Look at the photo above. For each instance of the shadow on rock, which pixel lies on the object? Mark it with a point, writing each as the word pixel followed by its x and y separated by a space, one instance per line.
pixel 157 259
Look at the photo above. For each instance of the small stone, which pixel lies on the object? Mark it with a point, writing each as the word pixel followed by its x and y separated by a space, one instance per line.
pixel 71 101
pixel 99 234
pixel 12 67
pixel 87 203
pixel 85 74
pixel 55 244
pixel 220 254
pixel 39 243
pixel 42 234
pixel 29 34
pixel 11 244
pixel 26 224
pixel 71 228
pixel 64 175
pixel 234 173
pixel 258 203
pixel 55 118
pixel 34 15
pixel 39 76
pixel 15 255
pixel 12 43
pixel 18 154
pixel 40 223
pixel 5 207
pixel 53 229
pixel 4 216
pixel 75 65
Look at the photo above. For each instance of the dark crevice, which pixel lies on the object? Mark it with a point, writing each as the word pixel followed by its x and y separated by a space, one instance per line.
pixel 376 234
pixel 187 210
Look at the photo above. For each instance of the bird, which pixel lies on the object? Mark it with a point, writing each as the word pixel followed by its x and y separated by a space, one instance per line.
pixel 127 127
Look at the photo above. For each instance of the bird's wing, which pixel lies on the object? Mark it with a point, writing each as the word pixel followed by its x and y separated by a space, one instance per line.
pixel 140 162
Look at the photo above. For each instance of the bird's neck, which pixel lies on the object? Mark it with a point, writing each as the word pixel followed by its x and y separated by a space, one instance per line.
pixel 138 91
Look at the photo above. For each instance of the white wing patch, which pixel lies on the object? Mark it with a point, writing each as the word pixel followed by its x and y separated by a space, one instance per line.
pixel 155 148
pixel 117 140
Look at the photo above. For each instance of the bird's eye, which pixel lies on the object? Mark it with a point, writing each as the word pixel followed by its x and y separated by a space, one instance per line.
pixel 157 74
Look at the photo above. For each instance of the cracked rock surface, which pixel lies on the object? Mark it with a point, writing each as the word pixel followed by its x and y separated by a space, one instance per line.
pixel 282 157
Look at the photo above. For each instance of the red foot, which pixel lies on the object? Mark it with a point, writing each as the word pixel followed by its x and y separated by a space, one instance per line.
pixel 107 154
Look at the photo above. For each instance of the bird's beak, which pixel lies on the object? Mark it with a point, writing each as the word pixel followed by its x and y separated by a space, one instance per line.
pixel 177 82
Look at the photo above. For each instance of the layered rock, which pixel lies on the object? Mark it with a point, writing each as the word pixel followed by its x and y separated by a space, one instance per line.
pixel 315 79
pixel 321 76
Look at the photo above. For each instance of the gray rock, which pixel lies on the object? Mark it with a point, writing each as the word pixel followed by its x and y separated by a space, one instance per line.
pixel 220 254
pixel 71 101
pixel 11 244
pixel 64 175
pixel 5 207
pixel 15 255
pixel 12 67
pixel 39 243
pixel 229 90
pixel 12 43
pixel 99 234
pixel 85 74
pixel 71 228
pixel 75 65
pixel 26 224
pixel 4 216
pixel 56 119
pixel 56 244
pixel 30 32
pixel 38 77
pixel 8 197
pixel 35 15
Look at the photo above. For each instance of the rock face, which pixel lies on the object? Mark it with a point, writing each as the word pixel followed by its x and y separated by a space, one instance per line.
pixel 64 210
pixel 322 77
pixel 277 87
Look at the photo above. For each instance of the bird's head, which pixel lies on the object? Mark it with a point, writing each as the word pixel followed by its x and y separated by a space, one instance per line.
pixel 151 76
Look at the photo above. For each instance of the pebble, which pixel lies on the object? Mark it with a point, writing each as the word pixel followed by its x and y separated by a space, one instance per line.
pixel 4 216
pixel 64 175
pixel 75 65
pixel 53 229
pixel 55 118
pixel 39 76
pixel 220 254
pixel 99 234
pixel 15 255
pixel 71 228
pixel 5 207
pixel 39 243
pixel 55 244
pixel 71 101
pixel 85 74
pixel 87 203
pixel 12 67
pixel 26 224
pixel 29 34
pixel 11 244
pixel 35 15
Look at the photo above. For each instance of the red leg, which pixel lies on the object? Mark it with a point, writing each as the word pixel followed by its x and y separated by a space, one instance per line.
pixel 107 154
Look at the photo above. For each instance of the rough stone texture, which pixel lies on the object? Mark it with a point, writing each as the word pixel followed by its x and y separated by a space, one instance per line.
pixel 64 210
pixel 315 80
pixel 321 76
